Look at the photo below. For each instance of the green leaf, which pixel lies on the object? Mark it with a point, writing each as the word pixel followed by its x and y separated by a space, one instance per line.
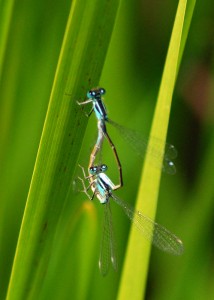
pixel 135 269
pixel 25 88
pixel 80 64
pixel 73 255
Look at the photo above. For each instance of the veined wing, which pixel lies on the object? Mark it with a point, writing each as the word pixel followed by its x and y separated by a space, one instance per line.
pixel 162 160
pixel 155 233
pixel 107 251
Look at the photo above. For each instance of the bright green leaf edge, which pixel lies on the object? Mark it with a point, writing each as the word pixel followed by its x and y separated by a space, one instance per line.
pixel 135 270
pixel 6 8
pixel 80 64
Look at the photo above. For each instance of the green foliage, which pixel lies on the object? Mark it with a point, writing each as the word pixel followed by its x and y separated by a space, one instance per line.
pixel 135 274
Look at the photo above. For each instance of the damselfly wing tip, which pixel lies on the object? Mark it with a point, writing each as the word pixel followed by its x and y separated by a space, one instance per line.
pixel 103 271
pixel 114 263
pixel 169 167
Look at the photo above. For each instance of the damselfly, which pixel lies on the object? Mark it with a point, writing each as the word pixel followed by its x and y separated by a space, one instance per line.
pixel 102 187
pixel 95 96
pixel 163 160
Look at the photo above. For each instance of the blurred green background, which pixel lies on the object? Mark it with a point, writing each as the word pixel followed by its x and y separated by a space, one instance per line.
pixel 131 76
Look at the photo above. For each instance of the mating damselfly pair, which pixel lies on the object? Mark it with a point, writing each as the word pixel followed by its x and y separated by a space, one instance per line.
pixel 102 187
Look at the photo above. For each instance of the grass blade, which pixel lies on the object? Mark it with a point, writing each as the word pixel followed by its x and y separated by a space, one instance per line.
pixel 25 87
pixel 134 274
pixel 80 65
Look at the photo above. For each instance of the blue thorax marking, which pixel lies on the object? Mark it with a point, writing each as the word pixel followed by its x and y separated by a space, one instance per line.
pixel 100 110
pixel 103 186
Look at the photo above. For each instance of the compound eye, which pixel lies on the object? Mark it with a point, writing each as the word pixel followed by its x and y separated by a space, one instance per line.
pixel 91 94
pixel 93 170
pixel 102 91
pixel 104 168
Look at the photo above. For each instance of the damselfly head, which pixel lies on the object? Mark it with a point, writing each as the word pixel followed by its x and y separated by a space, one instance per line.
pixel 98 169
pixel 96 93
pixel 101 169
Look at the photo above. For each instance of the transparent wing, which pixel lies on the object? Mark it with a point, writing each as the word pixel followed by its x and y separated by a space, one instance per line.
pixel 152 231
pixel 108 250
pixel 162 160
